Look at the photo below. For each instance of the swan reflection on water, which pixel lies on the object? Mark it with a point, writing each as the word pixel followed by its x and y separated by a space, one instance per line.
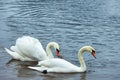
pixel 24 72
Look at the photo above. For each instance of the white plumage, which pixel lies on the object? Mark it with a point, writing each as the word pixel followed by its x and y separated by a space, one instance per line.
pixel 63 66
pixel 30 49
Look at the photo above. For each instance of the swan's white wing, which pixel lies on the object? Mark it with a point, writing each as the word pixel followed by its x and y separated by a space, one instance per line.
pixel 55 62
pixel 15 55
pixel 41 69
pixel 15 49
pixel 31 47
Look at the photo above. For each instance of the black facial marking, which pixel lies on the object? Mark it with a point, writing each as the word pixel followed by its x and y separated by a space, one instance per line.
pixel 93 51
pixel 57 50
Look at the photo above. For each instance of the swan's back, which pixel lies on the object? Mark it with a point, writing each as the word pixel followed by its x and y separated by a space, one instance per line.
pixel 30 47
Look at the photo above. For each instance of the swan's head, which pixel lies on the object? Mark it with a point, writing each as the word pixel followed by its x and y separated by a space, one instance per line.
pixel 89 49
pixel 56 47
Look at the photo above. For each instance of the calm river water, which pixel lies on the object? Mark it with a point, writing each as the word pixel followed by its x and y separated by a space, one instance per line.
pixel 72 24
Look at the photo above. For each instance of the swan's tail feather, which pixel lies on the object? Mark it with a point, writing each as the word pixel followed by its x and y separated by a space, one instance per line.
pixel 41 69
pixel 12 48
pixel 15 49
pixel 13 54
pixel 8 51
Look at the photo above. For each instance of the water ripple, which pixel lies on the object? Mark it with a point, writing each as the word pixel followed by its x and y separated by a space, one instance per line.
pixel 71 23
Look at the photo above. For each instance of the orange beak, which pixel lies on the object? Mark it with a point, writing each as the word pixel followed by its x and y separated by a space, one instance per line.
pixel 58 53
pixel 93 53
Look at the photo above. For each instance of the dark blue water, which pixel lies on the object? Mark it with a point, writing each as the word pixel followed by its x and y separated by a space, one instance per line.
pixel 72 24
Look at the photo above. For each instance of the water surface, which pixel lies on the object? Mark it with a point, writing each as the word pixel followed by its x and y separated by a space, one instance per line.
pixel 71 23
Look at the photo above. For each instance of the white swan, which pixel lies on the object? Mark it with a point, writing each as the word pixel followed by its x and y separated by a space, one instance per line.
pixel 62 66
pixel 30 49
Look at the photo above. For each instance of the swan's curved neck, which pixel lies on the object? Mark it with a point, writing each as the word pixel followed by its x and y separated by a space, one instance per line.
pixel 81 59
pixel 48 50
